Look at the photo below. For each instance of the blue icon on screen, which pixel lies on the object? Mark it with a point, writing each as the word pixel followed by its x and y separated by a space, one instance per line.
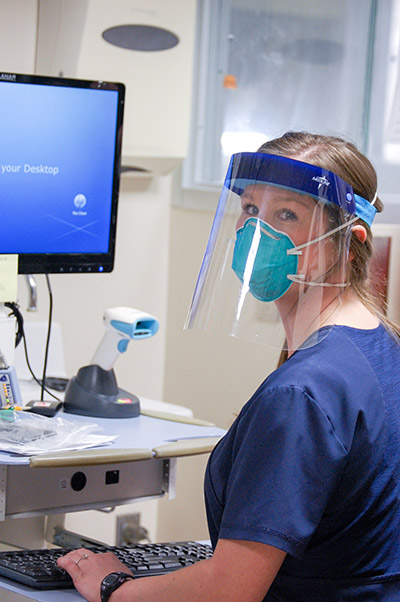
pixel 80 201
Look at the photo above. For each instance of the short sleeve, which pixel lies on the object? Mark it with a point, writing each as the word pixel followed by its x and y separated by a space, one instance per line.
pixel 285 459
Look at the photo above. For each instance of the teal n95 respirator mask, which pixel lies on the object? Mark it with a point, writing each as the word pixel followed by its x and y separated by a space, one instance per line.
pixel 278 251
pixel 261 259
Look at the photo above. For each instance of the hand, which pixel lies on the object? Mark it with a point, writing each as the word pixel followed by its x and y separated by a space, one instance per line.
pixel 88 569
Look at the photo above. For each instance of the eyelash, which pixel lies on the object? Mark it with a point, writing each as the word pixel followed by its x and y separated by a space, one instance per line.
pixel 284 214
pixel 287 215
pixel 250 209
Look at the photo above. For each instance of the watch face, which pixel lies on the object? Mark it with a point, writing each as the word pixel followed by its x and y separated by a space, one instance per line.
pixel 111 579
pixel 112 582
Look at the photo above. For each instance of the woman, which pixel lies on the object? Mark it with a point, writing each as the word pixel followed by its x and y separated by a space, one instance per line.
pixel 302 494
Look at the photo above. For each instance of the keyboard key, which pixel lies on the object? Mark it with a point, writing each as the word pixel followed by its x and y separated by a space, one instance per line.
pixel 38 568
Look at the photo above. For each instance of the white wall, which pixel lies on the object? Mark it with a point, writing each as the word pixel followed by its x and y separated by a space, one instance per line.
pixel 214 375
pixel 18 19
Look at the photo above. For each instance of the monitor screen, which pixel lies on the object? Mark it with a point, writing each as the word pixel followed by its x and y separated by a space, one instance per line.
pixel 59 172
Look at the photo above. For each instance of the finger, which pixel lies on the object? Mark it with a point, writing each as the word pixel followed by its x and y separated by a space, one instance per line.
pixel 70 562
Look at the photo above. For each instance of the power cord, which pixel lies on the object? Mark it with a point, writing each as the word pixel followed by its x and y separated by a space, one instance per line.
pixel 46 353
pixel 20 336
pixel 20 321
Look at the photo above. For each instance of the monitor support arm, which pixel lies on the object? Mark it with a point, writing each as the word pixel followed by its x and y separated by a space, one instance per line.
pixel 31 282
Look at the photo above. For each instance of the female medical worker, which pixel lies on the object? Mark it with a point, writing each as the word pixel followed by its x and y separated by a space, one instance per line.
pixel 303 492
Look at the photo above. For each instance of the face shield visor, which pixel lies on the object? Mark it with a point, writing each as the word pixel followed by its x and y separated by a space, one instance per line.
pixel 276 263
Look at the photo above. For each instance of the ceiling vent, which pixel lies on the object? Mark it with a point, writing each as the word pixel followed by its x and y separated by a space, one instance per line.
pixel 149 47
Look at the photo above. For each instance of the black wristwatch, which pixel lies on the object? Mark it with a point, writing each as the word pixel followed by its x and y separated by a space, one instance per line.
pixel 111 582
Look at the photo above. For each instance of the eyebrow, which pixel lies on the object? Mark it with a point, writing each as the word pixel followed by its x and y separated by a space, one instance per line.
pixel 300 199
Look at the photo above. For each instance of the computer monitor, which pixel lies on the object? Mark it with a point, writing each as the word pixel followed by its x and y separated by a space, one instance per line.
pixel 59 172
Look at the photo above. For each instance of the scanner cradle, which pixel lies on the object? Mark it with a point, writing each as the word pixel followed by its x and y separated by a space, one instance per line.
pixel 94 392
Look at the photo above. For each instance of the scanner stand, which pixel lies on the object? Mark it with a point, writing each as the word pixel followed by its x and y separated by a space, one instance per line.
pixel 94 392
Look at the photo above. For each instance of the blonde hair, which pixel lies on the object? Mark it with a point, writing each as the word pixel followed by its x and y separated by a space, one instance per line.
pixel 344 159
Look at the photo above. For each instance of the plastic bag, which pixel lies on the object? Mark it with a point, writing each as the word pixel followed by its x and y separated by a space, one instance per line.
pixel 30 434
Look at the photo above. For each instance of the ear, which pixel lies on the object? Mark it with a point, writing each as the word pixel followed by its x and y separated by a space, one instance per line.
pixel 360 232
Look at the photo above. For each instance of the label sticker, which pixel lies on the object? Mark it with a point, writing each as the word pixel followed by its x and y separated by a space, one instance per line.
pixel 8 278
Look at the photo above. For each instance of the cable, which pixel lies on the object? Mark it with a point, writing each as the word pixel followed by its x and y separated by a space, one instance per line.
pixel 20 321
pixel 20 335
pixel 32 373
pixel 46 354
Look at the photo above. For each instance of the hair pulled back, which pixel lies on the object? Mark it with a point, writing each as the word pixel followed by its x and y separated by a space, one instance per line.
pixel 345 160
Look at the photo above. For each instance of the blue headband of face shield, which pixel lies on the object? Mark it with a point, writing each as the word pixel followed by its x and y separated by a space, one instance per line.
pixel 252 168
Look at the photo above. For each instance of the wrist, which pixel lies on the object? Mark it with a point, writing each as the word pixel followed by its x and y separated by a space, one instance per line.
pixel 122 594
pixel 111 583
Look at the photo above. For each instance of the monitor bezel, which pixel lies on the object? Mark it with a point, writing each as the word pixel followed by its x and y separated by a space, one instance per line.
pixel 59 263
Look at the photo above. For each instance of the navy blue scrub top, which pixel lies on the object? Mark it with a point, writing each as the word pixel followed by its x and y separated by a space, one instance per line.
pixel 312 466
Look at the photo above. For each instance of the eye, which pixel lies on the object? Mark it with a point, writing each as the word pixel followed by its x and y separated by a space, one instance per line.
pixel 250 209
pixel 286 215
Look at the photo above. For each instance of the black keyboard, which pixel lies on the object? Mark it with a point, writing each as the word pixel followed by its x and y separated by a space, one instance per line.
pixel 38 568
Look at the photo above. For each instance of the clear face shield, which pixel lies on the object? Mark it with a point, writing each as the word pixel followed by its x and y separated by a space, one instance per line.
pixel 276 263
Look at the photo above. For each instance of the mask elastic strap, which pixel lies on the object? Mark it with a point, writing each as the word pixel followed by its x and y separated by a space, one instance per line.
pixel 300 279
pixel 295 250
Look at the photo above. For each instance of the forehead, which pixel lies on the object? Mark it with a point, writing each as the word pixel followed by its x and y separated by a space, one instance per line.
pixel 265 193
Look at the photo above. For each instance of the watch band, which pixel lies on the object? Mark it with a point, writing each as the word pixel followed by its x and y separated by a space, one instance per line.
pixel 111 582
